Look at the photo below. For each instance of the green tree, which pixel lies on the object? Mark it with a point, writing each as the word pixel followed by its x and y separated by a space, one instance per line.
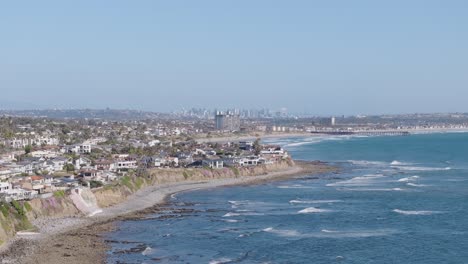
pixel 28 149
pixel 69 167
pixel 257 146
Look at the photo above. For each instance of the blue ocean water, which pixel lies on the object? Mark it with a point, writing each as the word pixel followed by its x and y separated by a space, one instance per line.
pixel 397 200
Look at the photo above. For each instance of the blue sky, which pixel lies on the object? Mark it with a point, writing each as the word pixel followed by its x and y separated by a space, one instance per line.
pixel 320 57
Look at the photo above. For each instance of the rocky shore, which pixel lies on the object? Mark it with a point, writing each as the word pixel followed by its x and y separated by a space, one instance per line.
pixel 79 239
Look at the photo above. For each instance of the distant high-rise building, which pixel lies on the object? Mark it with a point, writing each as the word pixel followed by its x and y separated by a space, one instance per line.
pixel 227 121
pixel 333 121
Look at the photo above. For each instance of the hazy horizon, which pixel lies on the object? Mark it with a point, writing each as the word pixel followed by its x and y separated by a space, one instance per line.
pixel 321 58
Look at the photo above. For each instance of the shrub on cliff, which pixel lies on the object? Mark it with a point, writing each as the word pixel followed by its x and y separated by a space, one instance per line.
pixel 127 181
pixel 95 184
pixel 5 209
pixel 139 182
pixel 59 194
pixel 18 207
pixel 236 171
pixel 27 206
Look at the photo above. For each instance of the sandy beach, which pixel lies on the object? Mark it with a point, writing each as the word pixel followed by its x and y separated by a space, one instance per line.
pixel 306 134
pixel 79 240
pixel 253 137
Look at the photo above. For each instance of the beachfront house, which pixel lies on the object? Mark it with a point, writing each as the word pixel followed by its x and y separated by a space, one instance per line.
pixel 213 163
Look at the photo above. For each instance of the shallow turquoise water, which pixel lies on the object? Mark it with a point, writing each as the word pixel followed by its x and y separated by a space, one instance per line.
pixel 398 200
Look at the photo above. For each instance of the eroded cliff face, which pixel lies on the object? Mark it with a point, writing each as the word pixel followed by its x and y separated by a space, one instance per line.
pixel 111 195
pixel 84 202
pixel 17 216
pixel 13 218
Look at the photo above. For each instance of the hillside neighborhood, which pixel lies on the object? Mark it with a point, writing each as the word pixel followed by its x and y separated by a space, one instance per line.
pixel 42 157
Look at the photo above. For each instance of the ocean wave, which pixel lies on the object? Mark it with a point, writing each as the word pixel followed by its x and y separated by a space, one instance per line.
pixel 283 232
pixel 358 181
pixel 416 185
pixel 368 162
pixel 314 140
pixel 373 189
pixel 147 251
pixel 399 163
pixel 311 210
pixel 330 233
pixel 403 212
pixel 236 204
pixel 356 233
pixel 408 179
pixel 295 186
pixel 231 214
pixel 231 220
pixel 314 201
pixel 297 144
pixel 406 168
pixel 220 261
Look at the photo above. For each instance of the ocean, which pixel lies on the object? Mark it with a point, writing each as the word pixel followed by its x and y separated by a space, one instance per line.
pixel 397 199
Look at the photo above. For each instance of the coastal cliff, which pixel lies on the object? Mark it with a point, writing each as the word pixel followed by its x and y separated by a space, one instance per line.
pixel 112 195
pixel 19 216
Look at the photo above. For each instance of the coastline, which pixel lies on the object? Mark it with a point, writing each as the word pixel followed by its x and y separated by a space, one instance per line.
pixel 80 240
pixel 253 137
pixel 412 131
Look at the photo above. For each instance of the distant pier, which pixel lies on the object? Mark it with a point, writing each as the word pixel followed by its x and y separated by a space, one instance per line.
pixel 365 133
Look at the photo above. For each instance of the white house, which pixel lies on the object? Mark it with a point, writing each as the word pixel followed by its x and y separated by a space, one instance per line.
pixel 78 149
pixel 5 187
pixel 251 161
pixel 213 163
pixel 273 150
pixel 125 165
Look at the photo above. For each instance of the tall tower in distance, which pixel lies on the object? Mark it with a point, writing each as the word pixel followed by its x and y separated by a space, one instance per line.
pixel 333 121
pixel 227 121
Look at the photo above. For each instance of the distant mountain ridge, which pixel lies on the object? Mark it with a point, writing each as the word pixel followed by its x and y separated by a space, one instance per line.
pixel 107 114
pixel 17 105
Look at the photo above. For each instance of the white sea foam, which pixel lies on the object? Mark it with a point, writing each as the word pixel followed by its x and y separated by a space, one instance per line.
pixel 409 168
pixel 367 162
pixel 407 179
pixel 416 185
pixel 295 186
pixel 297 144
pixel 231 220
pixel 404 212
pixel 147 251
pixel 220 261
pixel 365 180
pixel 231 214
pixel 311 210
pixel 330 233
pixel 285 233
pixel 235 204
pixel 356 233
pixel 372 189
pixel 313 140
pixel 399 163
pixel 314 201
